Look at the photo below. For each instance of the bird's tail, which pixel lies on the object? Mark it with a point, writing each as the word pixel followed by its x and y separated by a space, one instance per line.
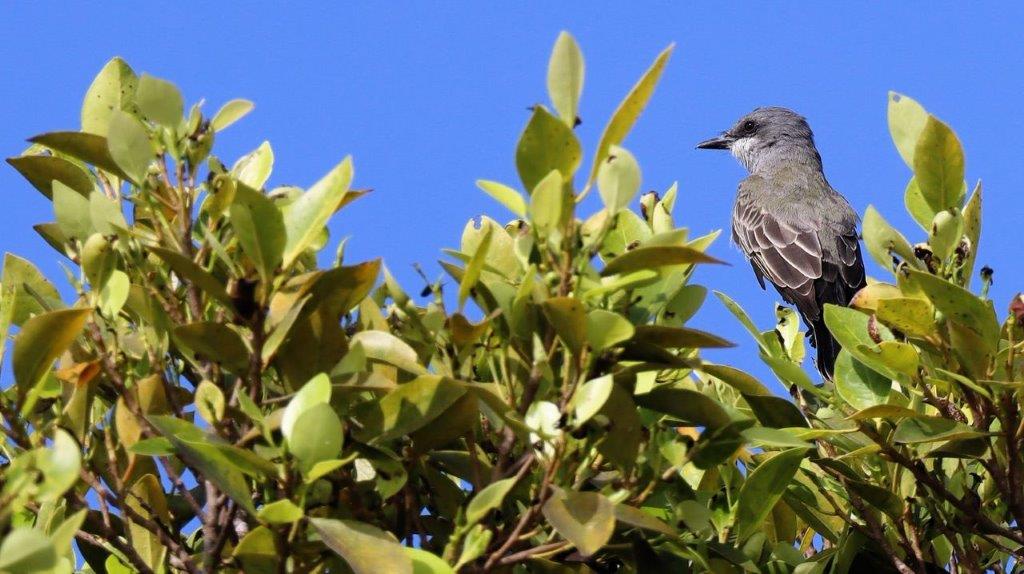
pixel 826 346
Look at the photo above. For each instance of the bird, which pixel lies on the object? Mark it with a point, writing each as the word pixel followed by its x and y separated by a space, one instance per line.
pixel 795 229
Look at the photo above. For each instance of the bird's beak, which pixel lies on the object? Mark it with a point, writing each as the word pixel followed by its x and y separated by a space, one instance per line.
pixel 723 141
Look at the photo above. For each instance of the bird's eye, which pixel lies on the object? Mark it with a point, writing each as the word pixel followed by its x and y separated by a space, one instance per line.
pixel 749 125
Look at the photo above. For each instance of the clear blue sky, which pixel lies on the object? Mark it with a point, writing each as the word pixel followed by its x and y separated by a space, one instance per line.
pixel 428 97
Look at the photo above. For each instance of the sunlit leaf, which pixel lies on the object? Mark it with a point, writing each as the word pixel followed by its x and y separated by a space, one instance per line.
pixel 230 113
pixel 546 144
pixel 565 77
pixel 629 110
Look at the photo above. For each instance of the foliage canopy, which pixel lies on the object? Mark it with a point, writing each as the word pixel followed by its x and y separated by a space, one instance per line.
pixel 214 399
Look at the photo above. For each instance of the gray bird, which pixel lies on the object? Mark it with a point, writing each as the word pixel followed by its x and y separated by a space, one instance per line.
pixel 796 230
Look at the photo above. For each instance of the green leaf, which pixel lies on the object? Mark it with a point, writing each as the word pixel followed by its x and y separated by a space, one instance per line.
pixel 320 438
pixel 42 170
pixel 629 110
pixel 366 549
pixel 424 562
pixel 737 379
pixel 159 101
pixel 106 214
pixel 687 405
pixel 679 337
pixel 197 452
pixel 547 144
pixel 489 498
pixel 230 113
pixel 72 210
pixel 911 316
pixel 883 241
pixel 858 385
pixel 606 329
pixel 618 179
pixel 157 446
pixel 586 519
pixel 408 408
pixel 209 402
pixel 775 412
pixel 387 348
pixel 591 397
pixel 98 260
pixel 636 517
pixel 187 270
pixel 315 392
pixel 962 306
pixel 932 429
pixel 475 266
pixel 254 168
pixel 60 464
pixel 63 536
pixel 743 318
pixel 27 550
pixel 504 195
pixel 89 148
pixel 898 356
pixel 939 166
pixel 972 231
pixel 763 488
pixel 41 340
pixel 258 552
pixel 148 501
pixel 280 512
pixel 112 89
pixel 565 77
pixel 774 438
pixel 917 206
pixel 215 342
pixel 473 545
pixel 130 146
pixel 307 216
pixel 114 293
pixel 906 122
pixel 853 331
pixel 260 229
pixel 569 320
pixel 655 257
pixel 547 202
pixel 883 412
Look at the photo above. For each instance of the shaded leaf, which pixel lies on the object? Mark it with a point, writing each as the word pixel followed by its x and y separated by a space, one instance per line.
pixel 489 498
pixel 210 341
pixel 366 549
pixel 858 385
pixel 678 337
pixel 763 488
pixel 280 512
pixel 618 179
pixel 42 170
pixel 569 320
pixel 406 409
pixel 89 148
pixel 606 329
pixel 586 519
pixel 939 166
pixel 41 340
pixel 260 229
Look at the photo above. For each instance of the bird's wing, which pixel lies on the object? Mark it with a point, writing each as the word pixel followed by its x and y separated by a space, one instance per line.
pixel 789 253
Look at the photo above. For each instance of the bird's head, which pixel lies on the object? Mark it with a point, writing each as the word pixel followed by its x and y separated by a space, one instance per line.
pixel 764 135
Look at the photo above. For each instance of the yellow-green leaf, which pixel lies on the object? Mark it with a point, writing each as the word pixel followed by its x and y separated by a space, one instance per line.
pixel 906 121
pixel 586 519
pixel 230 113
pixel 366 548
pixel 629 110
pixel 307 216
pixel 41 340
pixel 565 77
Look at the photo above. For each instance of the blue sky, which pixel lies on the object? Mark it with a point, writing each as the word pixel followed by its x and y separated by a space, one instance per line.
pixel 429 97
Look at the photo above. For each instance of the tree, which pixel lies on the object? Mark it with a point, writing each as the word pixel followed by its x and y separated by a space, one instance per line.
pixel 554 414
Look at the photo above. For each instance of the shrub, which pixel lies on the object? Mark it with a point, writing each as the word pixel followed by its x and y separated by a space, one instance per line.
pixel 552 415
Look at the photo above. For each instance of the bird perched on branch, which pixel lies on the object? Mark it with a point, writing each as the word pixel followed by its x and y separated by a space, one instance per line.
pixel 796 230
